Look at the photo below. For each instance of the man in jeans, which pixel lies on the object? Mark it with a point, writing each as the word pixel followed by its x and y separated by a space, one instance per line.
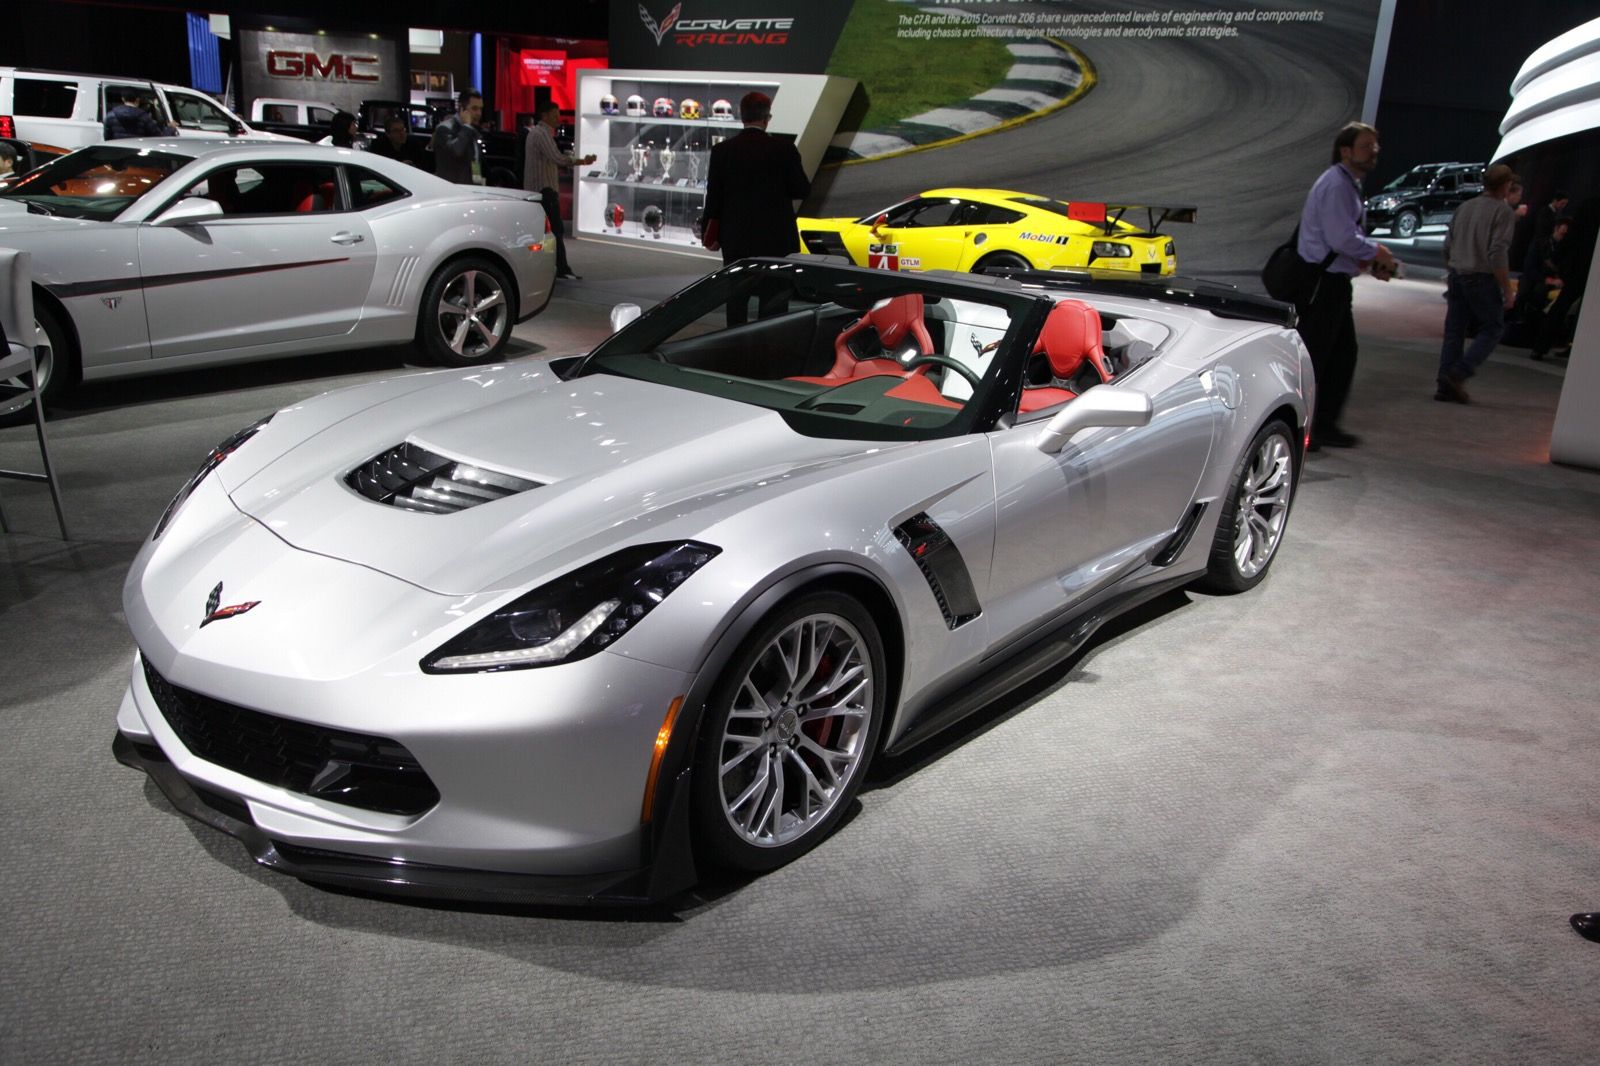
pixel 1478 291
pixel 541 173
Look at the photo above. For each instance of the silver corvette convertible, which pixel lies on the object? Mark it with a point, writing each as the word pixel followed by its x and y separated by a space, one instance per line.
pixel 577 630
pixel 153 255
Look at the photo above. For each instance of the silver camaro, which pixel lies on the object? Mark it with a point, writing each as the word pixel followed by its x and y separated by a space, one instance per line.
pixel 153 255
pixel 577 630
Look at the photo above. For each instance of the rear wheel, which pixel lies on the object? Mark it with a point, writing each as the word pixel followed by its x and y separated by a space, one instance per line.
pixel 55 360
pixel 466 314
pixel 1007 260
pixel 787 737
pixel 1254 512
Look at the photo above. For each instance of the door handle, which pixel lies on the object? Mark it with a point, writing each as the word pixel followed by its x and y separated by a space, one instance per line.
pixel 346 237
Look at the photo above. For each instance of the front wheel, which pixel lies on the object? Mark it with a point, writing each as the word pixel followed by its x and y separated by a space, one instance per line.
pixel 54 359
pixel 466 313
pixel 1406 223
pixel 787 737
pixel 1254 512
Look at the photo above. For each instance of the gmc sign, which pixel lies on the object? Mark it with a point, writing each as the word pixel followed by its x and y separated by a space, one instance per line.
pixel 283 63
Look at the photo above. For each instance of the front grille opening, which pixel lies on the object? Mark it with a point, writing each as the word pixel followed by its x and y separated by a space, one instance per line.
pixel 415 479
pixel 370 772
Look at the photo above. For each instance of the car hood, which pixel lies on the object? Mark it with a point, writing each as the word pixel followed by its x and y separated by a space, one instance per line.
pixel 15 218
pixel 615 461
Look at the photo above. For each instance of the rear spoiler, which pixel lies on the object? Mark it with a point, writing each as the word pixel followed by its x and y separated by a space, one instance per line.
pixel 1108 215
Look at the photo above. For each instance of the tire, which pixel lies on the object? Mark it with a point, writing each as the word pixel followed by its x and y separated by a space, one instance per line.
pixel 57 368
pixel 1406 223
pixel 447 333
pixel 1255 512
pixel 745 818
pixel 1008 260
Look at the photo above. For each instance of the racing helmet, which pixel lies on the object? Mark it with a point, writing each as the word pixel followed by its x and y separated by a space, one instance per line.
pixel 721 111
pixel 689 109
pixel 614 216
pixel 664 107
pixel 635 105
pixel 608 105
pixel 654 220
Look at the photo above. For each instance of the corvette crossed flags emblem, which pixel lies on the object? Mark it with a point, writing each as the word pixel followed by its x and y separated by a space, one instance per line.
pixel 659 31
pixel 215 613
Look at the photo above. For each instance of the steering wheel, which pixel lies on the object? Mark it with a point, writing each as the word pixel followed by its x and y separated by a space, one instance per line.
pixel 922 362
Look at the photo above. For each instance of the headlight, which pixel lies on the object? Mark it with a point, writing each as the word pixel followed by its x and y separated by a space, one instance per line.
pixel 1111 250
pixel 576 615
pixel 1384 203
pixel 219 453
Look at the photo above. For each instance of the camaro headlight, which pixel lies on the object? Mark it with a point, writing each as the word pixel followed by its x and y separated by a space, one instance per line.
pixel 1111 250
pixel 575 615
pixel 213 460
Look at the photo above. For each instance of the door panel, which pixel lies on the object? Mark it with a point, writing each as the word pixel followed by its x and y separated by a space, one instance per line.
pixel 1069 524
pixel 255 276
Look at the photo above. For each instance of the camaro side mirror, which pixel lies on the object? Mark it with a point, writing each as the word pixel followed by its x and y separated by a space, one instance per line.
pixel 622 314
pixel 1100 406
pixel 189 209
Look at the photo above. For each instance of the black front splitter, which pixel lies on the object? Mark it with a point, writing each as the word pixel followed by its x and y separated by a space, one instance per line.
pixel 642 887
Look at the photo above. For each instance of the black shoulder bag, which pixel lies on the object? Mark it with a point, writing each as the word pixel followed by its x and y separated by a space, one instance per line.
pixel 1289 278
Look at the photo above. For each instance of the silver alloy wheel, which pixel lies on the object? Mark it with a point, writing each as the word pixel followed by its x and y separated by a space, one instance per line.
pixel 472 313
pixel 1263 505
pixel 45 361
pixel 797 732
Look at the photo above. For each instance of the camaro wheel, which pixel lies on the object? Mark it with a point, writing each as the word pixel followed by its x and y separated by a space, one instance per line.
pixel 54 362
pixel 786 740
pixel 1009 260
pixel 1405 223
pixel 466 313
pixel 1254 512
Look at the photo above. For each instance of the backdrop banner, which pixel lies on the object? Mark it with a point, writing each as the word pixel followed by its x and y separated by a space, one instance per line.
pixel 341 69
pixel 782 36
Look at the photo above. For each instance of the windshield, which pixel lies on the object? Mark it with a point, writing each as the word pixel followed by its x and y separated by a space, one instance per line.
pixel 837 352
pixel 98 182
pixel 1415 178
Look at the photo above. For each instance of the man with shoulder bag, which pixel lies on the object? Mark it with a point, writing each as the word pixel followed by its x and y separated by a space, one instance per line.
pixel 1332 246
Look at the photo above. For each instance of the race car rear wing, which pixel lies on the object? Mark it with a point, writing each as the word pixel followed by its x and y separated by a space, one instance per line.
pixel 1108 215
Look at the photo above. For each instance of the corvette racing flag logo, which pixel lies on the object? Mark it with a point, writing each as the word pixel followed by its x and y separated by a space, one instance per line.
pixel 216 613
pixel 659 31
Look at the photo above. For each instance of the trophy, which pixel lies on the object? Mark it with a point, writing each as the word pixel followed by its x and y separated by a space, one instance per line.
pixel 611 166
pixel 694 168
pixel 641 159
pixel 667 156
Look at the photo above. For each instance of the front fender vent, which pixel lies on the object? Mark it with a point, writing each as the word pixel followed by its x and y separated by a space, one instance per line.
pixel 415 479
pixel 937 556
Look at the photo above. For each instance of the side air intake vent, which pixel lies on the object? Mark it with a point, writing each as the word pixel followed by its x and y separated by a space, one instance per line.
pixel 940 561
pixel 416 479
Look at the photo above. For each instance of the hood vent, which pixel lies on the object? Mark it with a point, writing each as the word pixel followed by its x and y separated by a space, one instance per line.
pixel 416 479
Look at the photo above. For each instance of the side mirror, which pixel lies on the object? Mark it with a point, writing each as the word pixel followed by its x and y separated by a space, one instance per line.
pixel 189 210
pixel 622 314
pixel 1099 407
pixel 881 220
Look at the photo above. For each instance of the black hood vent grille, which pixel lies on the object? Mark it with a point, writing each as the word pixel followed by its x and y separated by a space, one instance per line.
pixel 416 479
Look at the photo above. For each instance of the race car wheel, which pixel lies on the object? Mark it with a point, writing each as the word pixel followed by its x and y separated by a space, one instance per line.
pixel 1254 512
pixel 1405 223
pixel 788 734
pixel 466 313
pixel 1005 260
pixel 54 361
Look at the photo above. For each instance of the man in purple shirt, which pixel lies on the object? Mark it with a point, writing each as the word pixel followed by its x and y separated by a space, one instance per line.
pixel 1333 234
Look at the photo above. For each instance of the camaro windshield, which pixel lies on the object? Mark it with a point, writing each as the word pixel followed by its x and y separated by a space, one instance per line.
pixel 98 182
pixel 837 352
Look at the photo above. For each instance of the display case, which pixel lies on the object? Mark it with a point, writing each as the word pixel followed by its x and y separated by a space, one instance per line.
pixel 651 133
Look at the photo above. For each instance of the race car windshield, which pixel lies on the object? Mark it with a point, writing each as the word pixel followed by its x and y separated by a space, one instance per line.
pixel 98 182
pixel 838 352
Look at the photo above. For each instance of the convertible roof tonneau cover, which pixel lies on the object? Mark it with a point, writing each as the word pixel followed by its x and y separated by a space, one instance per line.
pixel 1223 300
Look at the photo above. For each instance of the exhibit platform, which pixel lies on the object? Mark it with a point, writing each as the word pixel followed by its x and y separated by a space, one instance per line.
pixel 1342 818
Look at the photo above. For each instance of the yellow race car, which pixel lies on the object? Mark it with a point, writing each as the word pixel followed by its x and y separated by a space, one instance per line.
pixel 971 229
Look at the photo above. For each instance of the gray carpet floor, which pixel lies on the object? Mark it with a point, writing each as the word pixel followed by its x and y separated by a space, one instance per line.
pixel 1342 818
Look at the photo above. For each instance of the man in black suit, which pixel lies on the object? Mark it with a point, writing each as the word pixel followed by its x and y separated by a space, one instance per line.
pixel 751 186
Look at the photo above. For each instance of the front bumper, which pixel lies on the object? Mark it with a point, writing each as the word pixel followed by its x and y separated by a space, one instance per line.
pixel 671 873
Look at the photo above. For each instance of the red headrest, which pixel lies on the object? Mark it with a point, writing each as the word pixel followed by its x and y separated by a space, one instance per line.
pixel 895 318
pixel 1070 335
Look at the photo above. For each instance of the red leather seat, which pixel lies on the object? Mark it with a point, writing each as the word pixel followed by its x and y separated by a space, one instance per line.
pixel 308 198
pixel 1070 338
pixel 898 323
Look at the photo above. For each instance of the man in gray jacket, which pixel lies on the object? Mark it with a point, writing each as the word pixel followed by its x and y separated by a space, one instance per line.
pixel 1479 287
pixel 455 142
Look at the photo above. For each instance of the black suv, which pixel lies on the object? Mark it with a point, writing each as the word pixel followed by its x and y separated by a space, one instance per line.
pixel 1425 195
